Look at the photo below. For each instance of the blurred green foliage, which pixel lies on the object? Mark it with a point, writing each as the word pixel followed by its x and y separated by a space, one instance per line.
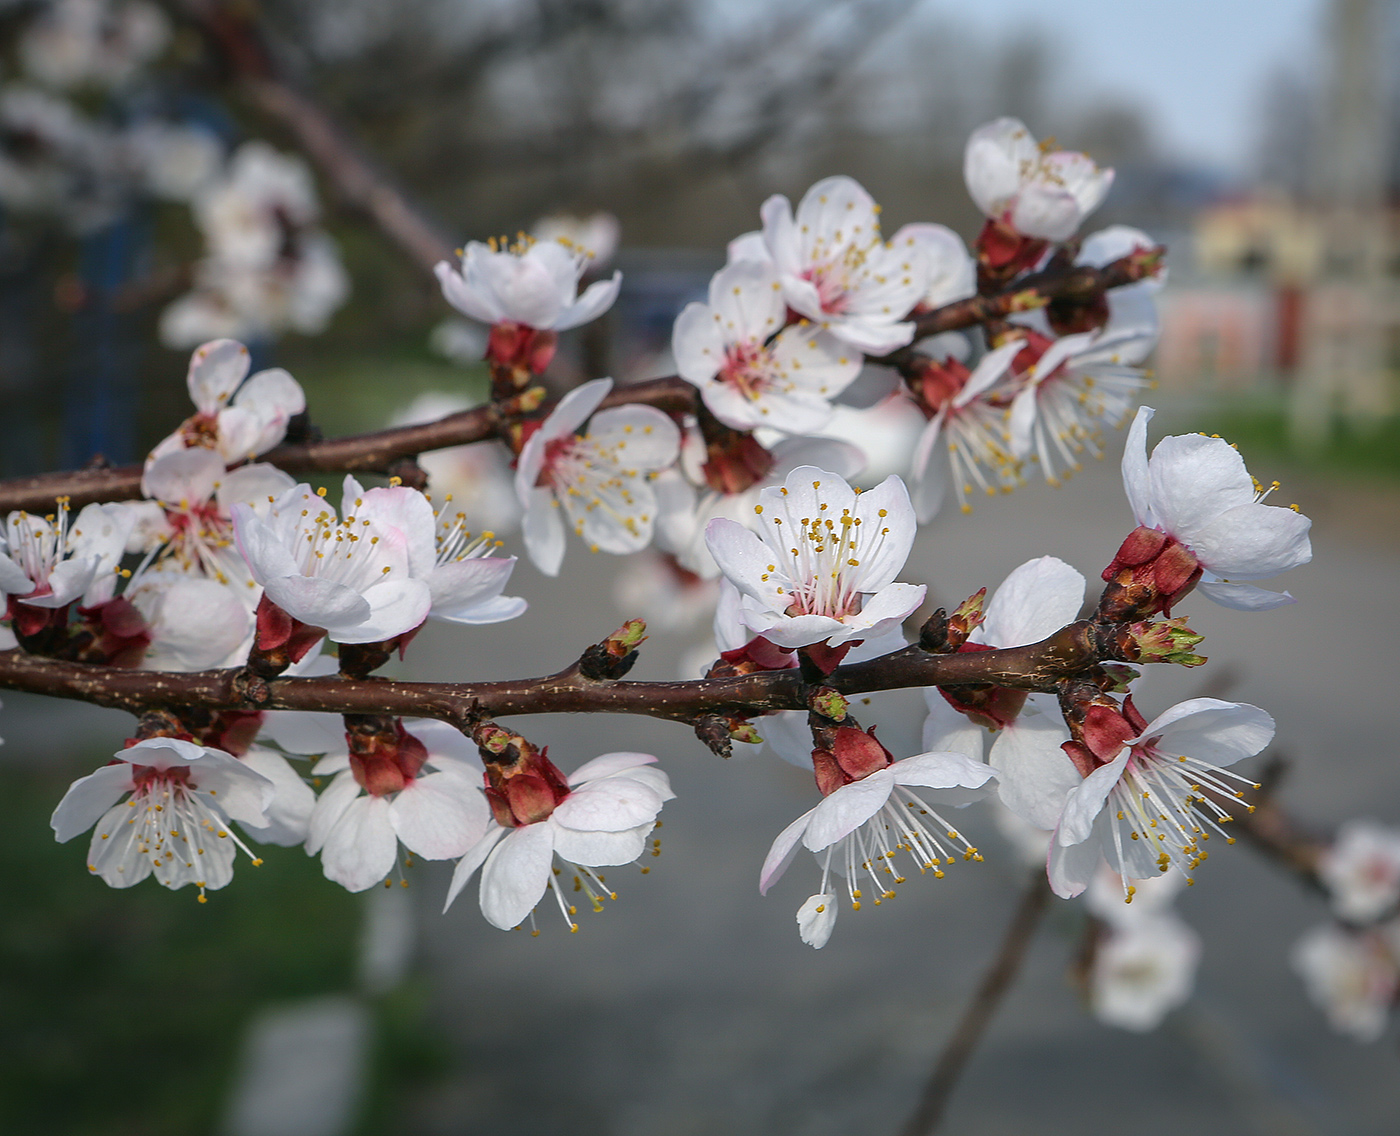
pixel 1260 427
pixel 122 1012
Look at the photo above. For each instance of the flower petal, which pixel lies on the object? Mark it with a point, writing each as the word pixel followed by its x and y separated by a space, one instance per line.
pixel 781 853
pixel 1211 730
pixel 515 875
pixel 847 809
pixel 360 850
pixel 608 805
pixel 1034 600
pixel 440 816
pixel 601 849
pixel 469 863
pixel 88 798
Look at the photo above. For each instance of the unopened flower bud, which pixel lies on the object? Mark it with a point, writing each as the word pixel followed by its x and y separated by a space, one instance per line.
pixel 828 703
pixel 744 732
pixel 1168 642
pixel 614 656
pixel 966 619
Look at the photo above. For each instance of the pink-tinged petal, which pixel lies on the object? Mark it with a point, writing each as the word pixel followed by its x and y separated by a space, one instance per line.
pixel 597 298
pixel 330 806
pixel 994 162
pixel 802 297
pixel 1253 541
pixel 781 853
pixel 216 369
pixel 289 812
pixel 744 559
pixel 440 816
pixel 318 601
pixel 88 798
pixel 398 509
pixel 601 849
pixel 239 431
pixel 1193 479
pixel 697 344
pixel 945 729
pixel 1136 481
pixel 515 875
pixel 240 792
pixel 1085 801
pixel 816 919
pixel 543 531
pixel 847 809
pixel 641 437
pixel 185 476
pixel 469 863
pixel 574 409
pixel 607 765
pixel 196 624
pixel 836 212
pixel 272 396
pixel 1211 730
pixel 608 805
pixel 1034 776
pixel 395 606
pixel 266 555
pixel 1036 599
pixel 361 849
pixel 473 302
pixel 1243 597
pixel 1047 212
pixel 1072 867
pixel 962 779
pixel 792 632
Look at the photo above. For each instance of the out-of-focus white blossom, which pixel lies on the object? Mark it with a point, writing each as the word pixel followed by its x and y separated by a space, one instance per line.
pixel 1353 976
pixel 595 237
pixel 1362 870
pixel 73 43
pixel 1039 194
pixel 532 282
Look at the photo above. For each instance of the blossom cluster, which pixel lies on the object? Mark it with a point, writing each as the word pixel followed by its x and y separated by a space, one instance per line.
pixel 752 505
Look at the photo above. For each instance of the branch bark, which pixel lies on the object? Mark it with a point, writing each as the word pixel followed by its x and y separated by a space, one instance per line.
pixel 375 452
pixel 1037 667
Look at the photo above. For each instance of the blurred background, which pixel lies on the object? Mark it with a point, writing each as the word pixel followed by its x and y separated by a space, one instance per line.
pixel 138 168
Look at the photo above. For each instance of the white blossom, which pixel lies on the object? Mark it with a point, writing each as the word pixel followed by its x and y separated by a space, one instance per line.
pixel 174 823
pixel 601 817
pixel 1038 194
pixel 1142 970
pixel 860 828
pixel 1361 869
pixel 822 567
pixel 749 372
pixel 532 282
pixel 1197 491
pixel 48 562
pixel 836 270
pixel 594 237
pixel 601 480
pixel 1353 976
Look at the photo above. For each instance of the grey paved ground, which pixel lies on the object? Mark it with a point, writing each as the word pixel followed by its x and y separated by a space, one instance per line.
pixel 690 1006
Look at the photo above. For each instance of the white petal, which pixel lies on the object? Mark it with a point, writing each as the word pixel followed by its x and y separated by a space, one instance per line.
pixel 1136 483
pixel 1211 730
pixel 1084 803
pixel 440 816
pixel 1035 775
pixel 289 813
pixel 1243 597
pixel 965 779
pixel 469 863
pixel 608 805
pixel 946 729
pixel 515 875
pixel 543 530
pixel 601 849
pixel 1253 541
pixel 1193 480
pixel 330 806
pixel 360 850
pixel 113 853
pixel 781 853
pixel 1034 600
pixel 1071 867
pixel 815 920
pixel 318 602
pixel 88 798
pixel 597 298
pixel 216 369
pixel 395 606
pixel 847 809
pixel 607 765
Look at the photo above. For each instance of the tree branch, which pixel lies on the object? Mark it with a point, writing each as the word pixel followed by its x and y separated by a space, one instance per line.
pixel 979 1013
pixel 1070 650
pixel 375 452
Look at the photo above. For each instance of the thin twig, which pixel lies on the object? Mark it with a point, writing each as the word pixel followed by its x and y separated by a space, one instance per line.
pixel 980 1011
pixel 377 451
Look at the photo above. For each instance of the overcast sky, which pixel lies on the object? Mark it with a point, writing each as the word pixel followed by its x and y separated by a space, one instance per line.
pixel 1196 66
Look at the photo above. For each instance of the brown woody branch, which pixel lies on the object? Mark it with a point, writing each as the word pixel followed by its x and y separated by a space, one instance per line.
pixel 376 452
pixel 1071 650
